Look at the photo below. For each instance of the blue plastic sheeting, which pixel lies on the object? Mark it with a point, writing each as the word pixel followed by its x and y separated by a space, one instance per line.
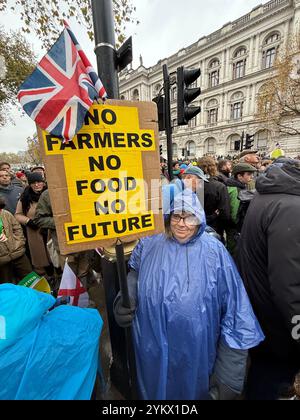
pixel 46 355
pixel 190 296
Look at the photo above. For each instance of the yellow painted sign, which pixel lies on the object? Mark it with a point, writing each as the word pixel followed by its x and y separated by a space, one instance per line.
pixel 105 176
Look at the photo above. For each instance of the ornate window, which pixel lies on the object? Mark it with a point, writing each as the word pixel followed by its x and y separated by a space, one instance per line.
pixel 236 106
pixel 270 49
pixel 214 73
pixel 239 63
pixel 210 146
pixel 232 141
pixel 191 148
pixel 174 93
pixel 212 112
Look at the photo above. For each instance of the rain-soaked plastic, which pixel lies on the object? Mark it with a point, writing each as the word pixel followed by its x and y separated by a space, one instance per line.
pixel 46 355
pixel 189 297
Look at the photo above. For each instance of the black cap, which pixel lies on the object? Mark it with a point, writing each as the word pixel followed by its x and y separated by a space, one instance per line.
pixel 35 177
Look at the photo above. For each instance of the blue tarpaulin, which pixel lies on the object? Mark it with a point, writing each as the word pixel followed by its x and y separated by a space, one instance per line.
pixel 46 355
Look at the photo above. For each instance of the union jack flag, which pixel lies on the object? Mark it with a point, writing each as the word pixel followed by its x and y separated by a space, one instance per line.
pixel 62 88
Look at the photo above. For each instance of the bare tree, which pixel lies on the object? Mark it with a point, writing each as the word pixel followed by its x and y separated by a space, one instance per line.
pixel 278 101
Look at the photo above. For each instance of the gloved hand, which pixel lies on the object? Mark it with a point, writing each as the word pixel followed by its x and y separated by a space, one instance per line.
pixel 32 225
pixel 219 391
pixel 124 316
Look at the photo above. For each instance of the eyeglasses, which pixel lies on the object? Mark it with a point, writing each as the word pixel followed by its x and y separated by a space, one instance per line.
pixel 187 220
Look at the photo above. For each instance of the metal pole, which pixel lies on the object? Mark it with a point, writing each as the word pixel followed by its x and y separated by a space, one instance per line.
pixel 105 49
pixel 168 119
pixel 242 141
pixel 128 333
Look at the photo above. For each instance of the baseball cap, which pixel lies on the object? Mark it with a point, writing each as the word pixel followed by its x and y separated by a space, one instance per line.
pixel 194 170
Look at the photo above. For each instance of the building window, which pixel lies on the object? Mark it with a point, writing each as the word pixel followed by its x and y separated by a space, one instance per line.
pixel 214 78
pixel 270 48
pixel 262 140
pixel 237 111
pixel 269 58
pixel 239 63
pixel 174 93
pixel 233 141
pixel 211 146
pixel 239 69
pixel 122 98
pixel 212 116
pixel 214 73
pixel 191 148
pixel 236 106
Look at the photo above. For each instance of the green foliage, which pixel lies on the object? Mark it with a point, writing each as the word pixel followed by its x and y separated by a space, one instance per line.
pixel 19 63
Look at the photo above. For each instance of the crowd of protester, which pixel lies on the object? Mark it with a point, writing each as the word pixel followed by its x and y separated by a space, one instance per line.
pixel 197 312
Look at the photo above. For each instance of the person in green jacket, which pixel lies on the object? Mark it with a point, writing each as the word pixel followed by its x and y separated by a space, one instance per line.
pixel 240 197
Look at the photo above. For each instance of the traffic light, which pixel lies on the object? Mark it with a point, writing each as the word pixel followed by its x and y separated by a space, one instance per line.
pixel 160 150
pixel 249 141
pixel 185 95
pixel 160 101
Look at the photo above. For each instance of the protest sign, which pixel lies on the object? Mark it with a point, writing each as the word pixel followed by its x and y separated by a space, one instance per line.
pixel 104 184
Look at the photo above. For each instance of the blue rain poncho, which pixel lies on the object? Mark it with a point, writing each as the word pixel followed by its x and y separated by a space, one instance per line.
pixel 189 297
pixel 46 355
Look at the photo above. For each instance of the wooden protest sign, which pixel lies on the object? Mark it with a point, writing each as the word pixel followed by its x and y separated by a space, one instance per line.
pixel 104 184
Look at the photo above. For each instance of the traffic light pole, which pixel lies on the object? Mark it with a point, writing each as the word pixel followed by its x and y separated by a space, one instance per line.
pixel 242 141
pixel 168 119
pixel 105 48
pixel 109 61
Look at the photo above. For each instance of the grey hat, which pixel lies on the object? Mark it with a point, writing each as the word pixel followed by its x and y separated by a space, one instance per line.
pixel 194 170
pixel 243 167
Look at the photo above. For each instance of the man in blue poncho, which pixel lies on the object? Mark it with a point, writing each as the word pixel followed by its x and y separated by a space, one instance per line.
pixel 192 321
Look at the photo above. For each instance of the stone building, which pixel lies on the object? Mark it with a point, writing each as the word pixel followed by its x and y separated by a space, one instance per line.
pixel 235 62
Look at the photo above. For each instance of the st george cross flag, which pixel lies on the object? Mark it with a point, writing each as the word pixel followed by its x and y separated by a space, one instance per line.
pixel 70 285
pixel 62 88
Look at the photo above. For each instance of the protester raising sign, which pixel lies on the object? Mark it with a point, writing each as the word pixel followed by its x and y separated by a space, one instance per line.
pixel 105 183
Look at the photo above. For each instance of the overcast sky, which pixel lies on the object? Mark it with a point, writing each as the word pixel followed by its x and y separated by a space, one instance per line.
pixel 165 27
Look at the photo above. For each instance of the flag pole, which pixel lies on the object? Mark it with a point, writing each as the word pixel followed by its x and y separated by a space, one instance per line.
pixel 109 61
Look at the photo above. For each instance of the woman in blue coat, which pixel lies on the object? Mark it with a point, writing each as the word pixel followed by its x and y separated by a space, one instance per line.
pixel 192 321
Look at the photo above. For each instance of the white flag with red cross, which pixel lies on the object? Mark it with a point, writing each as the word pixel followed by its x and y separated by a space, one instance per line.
pixel 71 286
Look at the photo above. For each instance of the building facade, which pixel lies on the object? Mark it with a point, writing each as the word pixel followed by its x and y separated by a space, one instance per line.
pixel 235 62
